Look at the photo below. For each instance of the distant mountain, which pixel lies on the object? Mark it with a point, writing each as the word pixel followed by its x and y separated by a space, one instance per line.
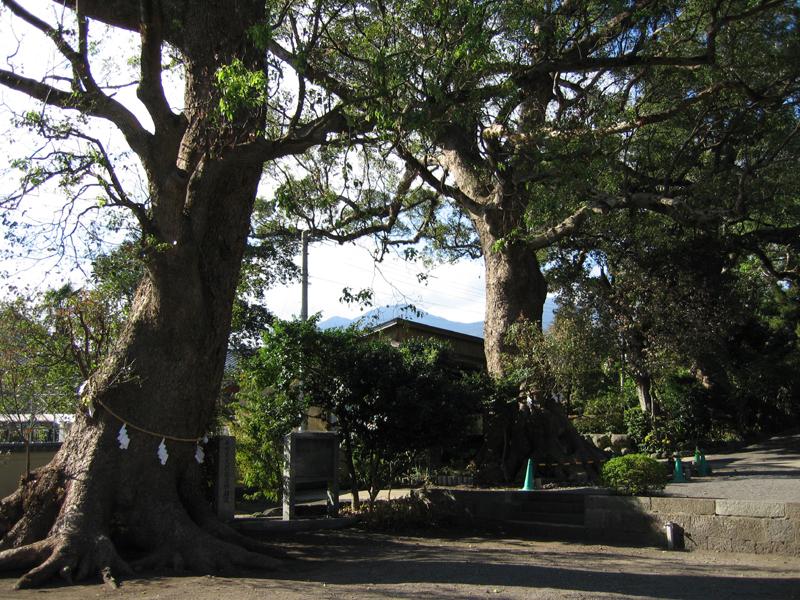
pixel 379 315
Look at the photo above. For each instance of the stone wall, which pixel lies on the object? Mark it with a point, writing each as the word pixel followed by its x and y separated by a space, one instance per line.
pixel 722 525
pixel 13 461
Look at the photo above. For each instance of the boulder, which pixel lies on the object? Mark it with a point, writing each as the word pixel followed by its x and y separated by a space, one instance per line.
pixel 620 441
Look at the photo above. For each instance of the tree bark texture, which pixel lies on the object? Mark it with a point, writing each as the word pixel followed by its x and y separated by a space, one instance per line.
pixel 515 291
pixel 163 377
pixel 643 384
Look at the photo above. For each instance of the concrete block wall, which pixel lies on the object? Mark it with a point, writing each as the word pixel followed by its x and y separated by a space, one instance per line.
pixel 722 525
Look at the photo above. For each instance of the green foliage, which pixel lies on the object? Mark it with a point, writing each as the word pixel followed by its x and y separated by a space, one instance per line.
pixel 52 342
pixel 568 362
pixel 27 384
pixel 686 409
pixel 49 345
pixel 241 89
pixel 391 404
pixel 634 475
pixel 650 435
pixel 117 274
pixel 637 425
pixel 263 416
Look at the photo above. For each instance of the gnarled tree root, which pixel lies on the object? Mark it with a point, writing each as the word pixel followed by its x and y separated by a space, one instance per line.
pixel 74 544
pixel 71 558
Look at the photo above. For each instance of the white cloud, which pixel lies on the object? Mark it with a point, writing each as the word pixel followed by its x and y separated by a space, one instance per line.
pixel 453 291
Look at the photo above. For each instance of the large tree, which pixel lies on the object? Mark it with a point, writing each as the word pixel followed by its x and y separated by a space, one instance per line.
pixel 532 118
pixel 202 165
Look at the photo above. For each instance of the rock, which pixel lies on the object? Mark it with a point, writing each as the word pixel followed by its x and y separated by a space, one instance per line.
pixel 620 440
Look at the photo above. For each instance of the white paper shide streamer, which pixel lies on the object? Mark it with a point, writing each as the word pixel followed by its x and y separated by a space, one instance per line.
pixel 122 437
pixel 199 455
pixel 163 455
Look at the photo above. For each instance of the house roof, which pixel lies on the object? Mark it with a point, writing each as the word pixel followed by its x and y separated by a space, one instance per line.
pixel 467 349
pixel 430 329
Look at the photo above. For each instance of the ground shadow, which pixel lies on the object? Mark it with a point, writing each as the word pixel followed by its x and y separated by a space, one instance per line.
pixel 347 559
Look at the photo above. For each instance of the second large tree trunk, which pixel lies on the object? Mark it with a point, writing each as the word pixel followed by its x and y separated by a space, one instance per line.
pixel 515 290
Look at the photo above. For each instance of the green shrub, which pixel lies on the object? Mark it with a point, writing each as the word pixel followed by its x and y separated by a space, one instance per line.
pixel 634 474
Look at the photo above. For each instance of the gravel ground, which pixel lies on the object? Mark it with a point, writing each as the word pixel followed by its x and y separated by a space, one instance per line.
pixel 365 566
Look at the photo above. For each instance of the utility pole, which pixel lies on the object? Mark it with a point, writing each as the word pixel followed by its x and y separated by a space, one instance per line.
pixel 304 277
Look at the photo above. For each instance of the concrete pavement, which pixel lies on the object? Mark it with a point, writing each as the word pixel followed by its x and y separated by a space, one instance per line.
pixel 768 471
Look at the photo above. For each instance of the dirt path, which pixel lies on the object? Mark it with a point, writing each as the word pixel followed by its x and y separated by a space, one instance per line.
pixel 355 565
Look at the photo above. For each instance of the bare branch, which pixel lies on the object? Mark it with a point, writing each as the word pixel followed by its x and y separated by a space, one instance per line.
pixel 95 105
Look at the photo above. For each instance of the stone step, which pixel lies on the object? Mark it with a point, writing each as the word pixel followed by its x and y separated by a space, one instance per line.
pixel 550 497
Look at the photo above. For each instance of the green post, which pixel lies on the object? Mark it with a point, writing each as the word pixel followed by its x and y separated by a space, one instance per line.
pixel 677 474
pixel 704 470
pixel 530 483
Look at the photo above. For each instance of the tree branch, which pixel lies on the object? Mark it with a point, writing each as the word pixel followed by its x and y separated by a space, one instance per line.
pixel 296 142
pixel 94 105
pixel 603 203
pixel 151 90
pixel 776 235
pixel 437 184
pixel 303 69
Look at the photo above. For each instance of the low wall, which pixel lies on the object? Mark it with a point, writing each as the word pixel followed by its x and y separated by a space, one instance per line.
pixel 709 524
pixel 12 463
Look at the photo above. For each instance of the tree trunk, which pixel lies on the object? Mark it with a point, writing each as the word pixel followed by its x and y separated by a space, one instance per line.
pixel 162 378
pixel 643 383
pixel 515 292
pixel 515 289
pixel 351 469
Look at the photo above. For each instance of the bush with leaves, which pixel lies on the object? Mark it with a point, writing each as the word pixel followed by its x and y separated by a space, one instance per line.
pixel 391 404
pixel 650 435
pixel 634 475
